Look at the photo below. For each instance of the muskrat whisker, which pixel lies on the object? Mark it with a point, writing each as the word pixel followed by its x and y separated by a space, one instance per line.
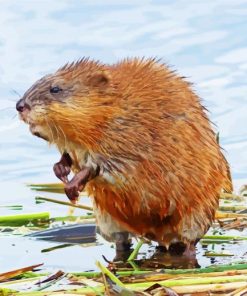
pixel 15 92
pixel 57 132
pixel 11 100
pixel 65 139
pixel 52 135
pixel 7 108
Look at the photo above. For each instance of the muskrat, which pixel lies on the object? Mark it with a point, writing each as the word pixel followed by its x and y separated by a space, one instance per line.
pixel 138 141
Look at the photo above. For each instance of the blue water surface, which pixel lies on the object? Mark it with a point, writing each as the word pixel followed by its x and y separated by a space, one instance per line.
pixel 204 40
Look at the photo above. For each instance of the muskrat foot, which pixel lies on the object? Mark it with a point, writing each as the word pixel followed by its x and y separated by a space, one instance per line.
pixel 78 182
pixel 62 168
pixel 161 249
pixel 177 248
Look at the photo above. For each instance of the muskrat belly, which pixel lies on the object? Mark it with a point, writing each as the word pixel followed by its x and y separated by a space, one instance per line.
pixel 143 226
pixel 108 226
pixel 111 220
pixel 123 211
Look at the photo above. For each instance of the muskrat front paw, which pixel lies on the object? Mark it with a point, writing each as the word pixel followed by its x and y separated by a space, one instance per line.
pixel 78 183
pixel 61 171
pixel 72 191
pixel 63 167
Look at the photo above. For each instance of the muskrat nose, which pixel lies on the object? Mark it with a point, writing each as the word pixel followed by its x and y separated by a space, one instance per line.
pixel 20 105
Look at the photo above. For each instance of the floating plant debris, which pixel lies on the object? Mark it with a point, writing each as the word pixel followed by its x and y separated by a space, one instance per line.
pixel 132 277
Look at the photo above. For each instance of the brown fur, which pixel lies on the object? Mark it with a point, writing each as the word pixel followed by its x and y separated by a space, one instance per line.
pixel 147 129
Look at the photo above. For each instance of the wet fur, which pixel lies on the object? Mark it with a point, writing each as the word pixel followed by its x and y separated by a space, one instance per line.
pixel 161 170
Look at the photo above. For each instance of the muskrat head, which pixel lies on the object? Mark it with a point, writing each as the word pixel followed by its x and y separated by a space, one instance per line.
pixel 32 107
pixel 59 104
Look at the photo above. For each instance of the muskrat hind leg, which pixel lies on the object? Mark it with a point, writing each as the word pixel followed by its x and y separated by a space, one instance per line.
pixel 112 231
pixel 78 182
pixel 178 255
pixel 180 248
pixel 123 246
pixel 122 241
pixel 177 248
pixel 186 253
pixel 63 168
pixel 161 249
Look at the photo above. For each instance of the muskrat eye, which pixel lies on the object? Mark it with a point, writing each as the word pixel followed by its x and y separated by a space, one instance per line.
pixel 55 89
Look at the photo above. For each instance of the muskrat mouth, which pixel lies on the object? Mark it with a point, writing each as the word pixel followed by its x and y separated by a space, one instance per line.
pixel 35 132
pixel 23 117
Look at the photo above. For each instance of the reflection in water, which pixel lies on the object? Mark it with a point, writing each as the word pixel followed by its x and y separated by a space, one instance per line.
pixel 167 260
pixel 158 260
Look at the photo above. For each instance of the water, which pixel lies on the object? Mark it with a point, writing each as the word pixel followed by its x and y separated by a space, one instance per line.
pixel 204 41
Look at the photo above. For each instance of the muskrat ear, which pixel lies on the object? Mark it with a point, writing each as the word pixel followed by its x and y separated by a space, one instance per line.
pixel 99 79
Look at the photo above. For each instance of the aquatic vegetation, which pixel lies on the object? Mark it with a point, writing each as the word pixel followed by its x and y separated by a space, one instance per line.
pixel 131 277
